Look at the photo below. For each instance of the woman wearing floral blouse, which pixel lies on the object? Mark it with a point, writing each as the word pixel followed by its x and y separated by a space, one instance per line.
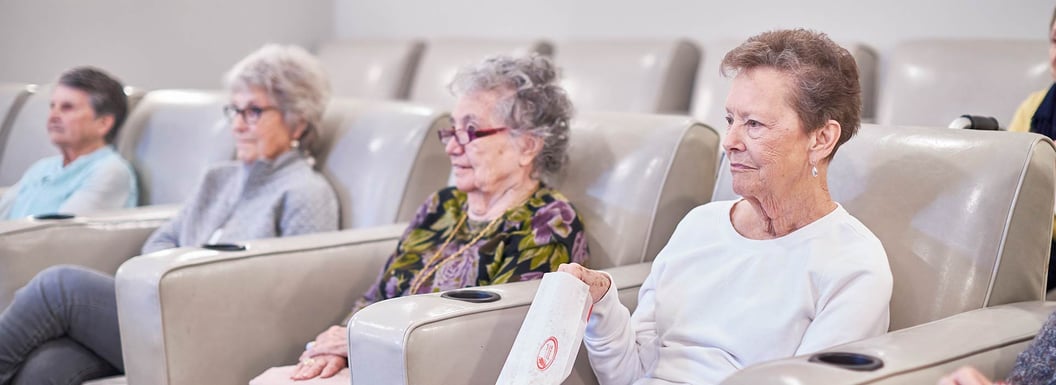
pixel 500 223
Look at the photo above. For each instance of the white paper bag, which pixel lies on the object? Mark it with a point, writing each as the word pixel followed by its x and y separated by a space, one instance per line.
pixel 546 346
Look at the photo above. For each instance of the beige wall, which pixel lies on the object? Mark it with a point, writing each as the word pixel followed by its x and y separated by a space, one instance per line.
pixel 150 43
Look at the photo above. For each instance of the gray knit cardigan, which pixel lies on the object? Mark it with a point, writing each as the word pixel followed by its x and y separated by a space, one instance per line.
pixel 237 202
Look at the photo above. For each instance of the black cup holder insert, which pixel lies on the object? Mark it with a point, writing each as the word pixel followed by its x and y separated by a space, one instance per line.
pixel 53 216
pixel 850 361
pixel 472 295
pixel 224 247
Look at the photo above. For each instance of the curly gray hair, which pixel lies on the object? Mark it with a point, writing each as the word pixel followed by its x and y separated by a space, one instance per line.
pixel 537 106
pixel 291 77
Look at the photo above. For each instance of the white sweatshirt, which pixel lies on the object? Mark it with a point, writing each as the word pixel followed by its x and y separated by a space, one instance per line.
pixel 715 301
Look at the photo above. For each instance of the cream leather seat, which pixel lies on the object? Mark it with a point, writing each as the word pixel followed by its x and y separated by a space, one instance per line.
pixel 12 96
pixel 646 76
pixel 629 173
pixel 371 68
pixel 383 159
pixel 709 95
pixel 965 218
pixel 930 82
pixel 444 57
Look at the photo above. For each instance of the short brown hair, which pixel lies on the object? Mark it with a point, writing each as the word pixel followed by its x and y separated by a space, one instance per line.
pixel 824 76
pixel 105 92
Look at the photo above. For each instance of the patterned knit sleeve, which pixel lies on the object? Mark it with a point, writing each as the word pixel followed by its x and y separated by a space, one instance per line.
pixel 1037 364
pixel 552 235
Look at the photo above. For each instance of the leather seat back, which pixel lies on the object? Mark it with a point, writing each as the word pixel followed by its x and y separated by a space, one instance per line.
pixel 932 82
pixel 371 69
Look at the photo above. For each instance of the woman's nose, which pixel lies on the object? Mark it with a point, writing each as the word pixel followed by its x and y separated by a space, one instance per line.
pixel 239 124
pixel 453 148
pixel 732 140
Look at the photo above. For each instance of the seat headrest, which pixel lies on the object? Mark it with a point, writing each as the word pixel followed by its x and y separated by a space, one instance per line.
pixel 371 68
pixel 373 151
pixel 930 82
pixel 633 177
pixel 444 57
pixel 172 138
pixel 633 76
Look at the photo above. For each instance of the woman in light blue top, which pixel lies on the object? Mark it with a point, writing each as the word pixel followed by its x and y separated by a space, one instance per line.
pixel 87 108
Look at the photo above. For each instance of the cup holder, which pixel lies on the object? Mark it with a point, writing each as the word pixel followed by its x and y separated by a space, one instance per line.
pixel 472 295
pixel 52 216
pixel 224 247
pixel 850 361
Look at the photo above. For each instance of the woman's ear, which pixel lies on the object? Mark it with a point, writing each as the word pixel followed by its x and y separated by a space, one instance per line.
pixel 823 141
pixel 299 130
pixel 531 146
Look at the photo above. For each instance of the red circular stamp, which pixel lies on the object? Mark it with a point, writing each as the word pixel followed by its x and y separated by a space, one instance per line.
pixel 547 353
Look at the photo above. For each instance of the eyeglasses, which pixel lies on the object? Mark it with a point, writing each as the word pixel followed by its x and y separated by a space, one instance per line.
pixel 470 134
pixel 251 114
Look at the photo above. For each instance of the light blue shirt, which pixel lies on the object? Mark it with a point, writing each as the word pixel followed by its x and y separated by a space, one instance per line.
pixel 100 180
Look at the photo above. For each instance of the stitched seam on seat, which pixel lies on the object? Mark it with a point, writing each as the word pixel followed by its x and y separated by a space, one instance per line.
pixel 998 259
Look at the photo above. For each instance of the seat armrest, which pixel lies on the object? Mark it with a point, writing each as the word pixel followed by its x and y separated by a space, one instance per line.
pixel 197 316
pixel 988 339
pixel 100 241
pixel 428 339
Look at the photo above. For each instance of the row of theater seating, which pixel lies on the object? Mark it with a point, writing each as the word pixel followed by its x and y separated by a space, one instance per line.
pixel 964 216
pixel 927 82
pixel 194 315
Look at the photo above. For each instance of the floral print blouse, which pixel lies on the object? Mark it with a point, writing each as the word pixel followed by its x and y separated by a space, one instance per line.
pixel 526 242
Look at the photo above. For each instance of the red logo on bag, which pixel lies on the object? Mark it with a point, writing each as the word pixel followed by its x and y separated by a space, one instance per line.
pixel 547 353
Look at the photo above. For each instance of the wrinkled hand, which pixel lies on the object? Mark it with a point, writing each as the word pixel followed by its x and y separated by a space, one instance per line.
pixel 323 366
pixel 599 283
pixel 332 341
pixel 965 376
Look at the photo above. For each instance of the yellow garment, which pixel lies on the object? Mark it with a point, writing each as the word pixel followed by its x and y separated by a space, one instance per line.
pixel 1021 123
pixel 1021 120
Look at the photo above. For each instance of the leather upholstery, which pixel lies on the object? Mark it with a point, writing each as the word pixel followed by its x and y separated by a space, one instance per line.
pixel 28 246
pixel 12 96
pixel 932 82
pixel 631 76
pixel 172 138
pixel 709 96
pixel 371 69
pixel 629 173
pixel 921 354
pixel 382 159
pixel 444 57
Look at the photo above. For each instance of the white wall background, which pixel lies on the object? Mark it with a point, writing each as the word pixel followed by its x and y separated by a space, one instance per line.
pixel 150 43
pixel 878 23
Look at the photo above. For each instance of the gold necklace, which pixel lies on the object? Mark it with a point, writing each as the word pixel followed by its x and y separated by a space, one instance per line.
pixel 435 262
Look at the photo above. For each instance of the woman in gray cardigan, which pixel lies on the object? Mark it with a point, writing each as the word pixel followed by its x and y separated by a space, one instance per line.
pixel 62 326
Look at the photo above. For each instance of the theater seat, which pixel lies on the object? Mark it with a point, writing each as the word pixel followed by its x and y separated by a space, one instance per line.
pixel 709 94
pixel 379 69
pixel 928 82
pixel 383 159
pixel 633 176
pixel 12 96
pixel 444 57
pixel 965 217
pixel 645 76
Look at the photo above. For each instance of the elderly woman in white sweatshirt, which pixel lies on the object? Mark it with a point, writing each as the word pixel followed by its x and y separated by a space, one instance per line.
pixel 784 270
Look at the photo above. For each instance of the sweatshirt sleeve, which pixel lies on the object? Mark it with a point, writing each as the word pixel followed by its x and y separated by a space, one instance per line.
pixel 854 303
pixel 622 347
